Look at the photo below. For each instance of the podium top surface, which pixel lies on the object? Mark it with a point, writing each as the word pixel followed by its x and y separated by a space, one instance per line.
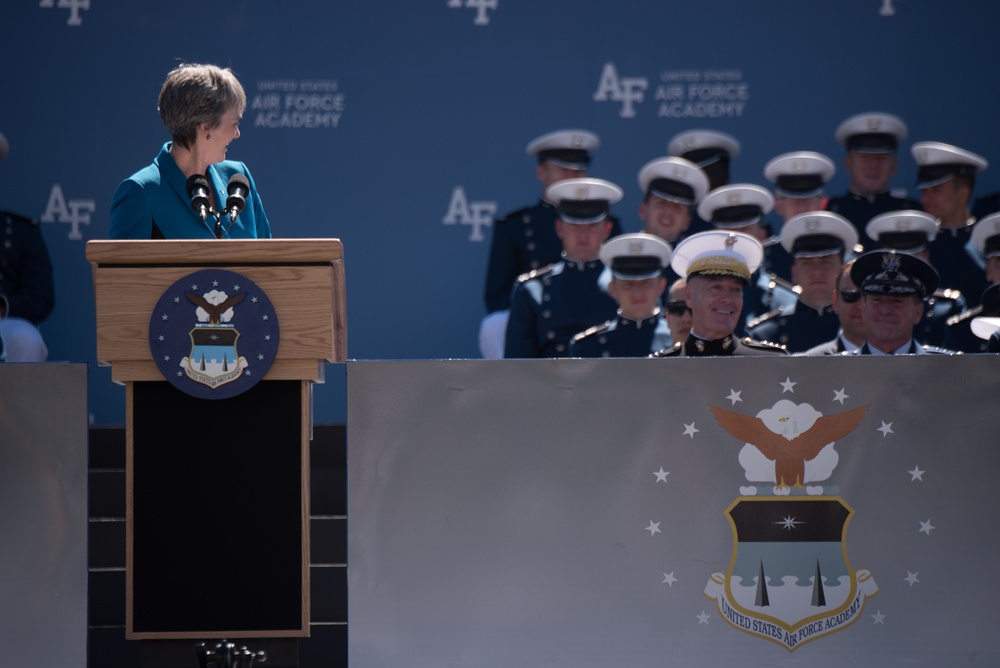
pixel 215 251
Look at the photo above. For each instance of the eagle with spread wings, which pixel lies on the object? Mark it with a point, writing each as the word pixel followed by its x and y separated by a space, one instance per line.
pixel 214 311
pixel 789 449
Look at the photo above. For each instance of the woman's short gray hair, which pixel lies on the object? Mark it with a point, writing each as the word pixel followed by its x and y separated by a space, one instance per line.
pixel 194 94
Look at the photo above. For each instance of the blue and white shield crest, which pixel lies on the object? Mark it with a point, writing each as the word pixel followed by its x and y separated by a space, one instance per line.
pixel 213 334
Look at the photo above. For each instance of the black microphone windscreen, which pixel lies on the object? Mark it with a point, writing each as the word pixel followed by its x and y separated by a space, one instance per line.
pixel 196 182
pixel 238 180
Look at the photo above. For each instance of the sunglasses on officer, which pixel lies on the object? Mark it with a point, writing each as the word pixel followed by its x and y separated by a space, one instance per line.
pixel 850 296
pixel 677 308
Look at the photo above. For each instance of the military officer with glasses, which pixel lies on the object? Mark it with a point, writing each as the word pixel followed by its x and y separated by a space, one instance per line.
pixel 717 265
pixel 893 288
pixel 551 305
pixel 636 263
pixel 847 305
pixel 678 312
pixel 818 242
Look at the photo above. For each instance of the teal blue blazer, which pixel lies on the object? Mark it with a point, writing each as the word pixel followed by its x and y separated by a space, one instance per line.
pixel 153 204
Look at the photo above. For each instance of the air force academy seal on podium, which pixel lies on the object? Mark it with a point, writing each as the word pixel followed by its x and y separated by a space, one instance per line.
pixel 213 334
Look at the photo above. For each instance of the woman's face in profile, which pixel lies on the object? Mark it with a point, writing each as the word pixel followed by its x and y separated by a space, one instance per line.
pixel 221 136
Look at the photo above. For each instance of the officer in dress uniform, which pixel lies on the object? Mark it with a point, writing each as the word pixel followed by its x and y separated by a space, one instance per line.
pixel 847 305
pixel 741 207
pixel 946 177
pixel 986 326
pixel 636 263
pixel 799 180
pixel 27 290
pixel 550 305
pixel 893 288
pixel 717 265
pixel 986 240
pixel 712 151
pixel 818 242
pixel 671 187
pixel 871 140
pixel 526 239
pixel 912 232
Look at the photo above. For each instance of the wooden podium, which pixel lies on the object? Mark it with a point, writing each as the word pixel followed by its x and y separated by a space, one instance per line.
pixel 218 490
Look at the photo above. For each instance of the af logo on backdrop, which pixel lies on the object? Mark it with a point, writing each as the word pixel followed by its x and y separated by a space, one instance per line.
pixel 476 214
pixel 213 334
pixel 481 7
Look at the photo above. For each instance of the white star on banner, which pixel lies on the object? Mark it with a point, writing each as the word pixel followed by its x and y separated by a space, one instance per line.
pixel 661 475
pixel 911 578
pixel 236 288
pixel 886 429
pixel 689 430
pixel 215 284
pixel 194 288
pixel 840 395
pixel 734 396
pixel 669 579
pixel 177 300
pixel 165 316
pixel 925 527
pixel 879 618
pixel 788 385
pixel 703 618
pixel 916 474
pixel 653 528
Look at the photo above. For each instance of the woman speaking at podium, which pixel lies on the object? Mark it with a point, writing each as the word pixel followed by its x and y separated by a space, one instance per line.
pixel 191 191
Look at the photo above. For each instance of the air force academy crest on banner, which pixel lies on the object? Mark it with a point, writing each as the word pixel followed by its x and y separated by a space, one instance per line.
pixel 213 334
pixel 790 580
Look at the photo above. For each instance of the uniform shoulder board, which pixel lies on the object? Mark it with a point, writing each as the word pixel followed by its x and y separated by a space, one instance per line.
pixel 947 293
pixel 672 351
pixel 934 350
pixel 782 283
pixel 771 240
pixel 596 329
pixel 535 273
pixel 761 319
pixel 17 218
pixel 762 345
pixel 964 315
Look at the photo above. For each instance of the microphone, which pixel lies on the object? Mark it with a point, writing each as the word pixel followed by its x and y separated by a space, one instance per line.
pixel 239 188
pixel 197 190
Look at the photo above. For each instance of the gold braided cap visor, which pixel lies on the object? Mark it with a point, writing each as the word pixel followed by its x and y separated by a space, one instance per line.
pixel 719 265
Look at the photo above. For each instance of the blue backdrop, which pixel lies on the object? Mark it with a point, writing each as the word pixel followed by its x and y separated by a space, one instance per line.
pixel 400 127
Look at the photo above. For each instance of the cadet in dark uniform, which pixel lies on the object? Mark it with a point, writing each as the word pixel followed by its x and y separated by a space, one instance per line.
pixel 712 151
pixel 550 305
pixel 741 207
pixel 946 178
pixel 818 242
pixel 799 180
pixel 871 140
pixel 912 232
pixel 717 265
pixel 27 290
pixel 671 187
pixel 636 263
pixel 526 239
pixel 893 287
pixel 986 326
pixel 986 241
